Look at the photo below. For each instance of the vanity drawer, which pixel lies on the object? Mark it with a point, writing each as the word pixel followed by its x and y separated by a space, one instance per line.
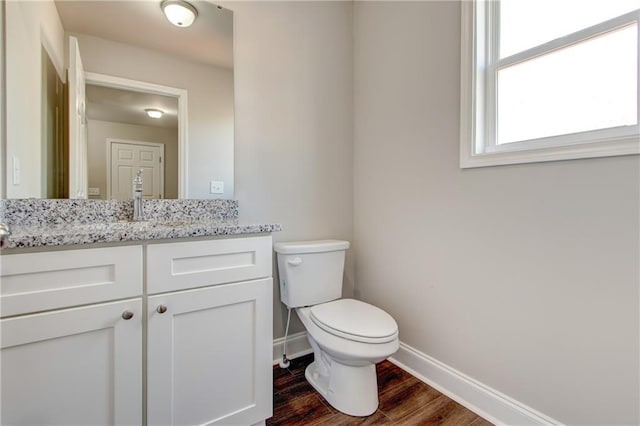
pixel 180 266
pixel 33 282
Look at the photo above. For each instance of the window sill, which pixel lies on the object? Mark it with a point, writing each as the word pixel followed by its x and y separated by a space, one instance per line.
pixel 624 146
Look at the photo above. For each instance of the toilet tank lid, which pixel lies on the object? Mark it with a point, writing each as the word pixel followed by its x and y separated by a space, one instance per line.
pixel 318 246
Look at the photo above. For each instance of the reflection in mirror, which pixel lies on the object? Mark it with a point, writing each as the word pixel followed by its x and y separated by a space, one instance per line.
pixel 134 141
pixel 56 154
pixel 64 140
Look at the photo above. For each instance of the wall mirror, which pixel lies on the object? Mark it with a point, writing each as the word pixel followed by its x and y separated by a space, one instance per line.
pixel 96 90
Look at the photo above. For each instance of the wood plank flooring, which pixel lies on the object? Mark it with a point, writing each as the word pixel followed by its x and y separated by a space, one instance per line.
pixel 404 400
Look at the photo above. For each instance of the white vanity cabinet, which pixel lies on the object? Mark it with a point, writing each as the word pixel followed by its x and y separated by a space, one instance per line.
pixel 206 354
pixel 209 333
pixel 71 365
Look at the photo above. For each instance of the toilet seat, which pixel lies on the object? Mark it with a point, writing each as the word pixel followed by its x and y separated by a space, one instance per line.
pixel 355 320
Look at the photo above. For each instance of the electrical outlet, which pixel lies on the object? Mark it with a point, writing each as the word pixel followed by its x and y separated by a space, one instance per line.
pixel 216 187
pixel 94 191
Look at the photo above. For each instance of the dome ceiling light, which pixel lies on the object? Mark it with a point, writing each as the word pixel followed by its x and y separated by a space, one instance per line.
pixel 154 113
pixel 179 13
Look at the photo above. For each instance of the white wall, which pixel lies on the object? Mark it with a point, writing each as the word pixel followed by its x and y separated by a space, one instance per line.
pixel 210 103
pixel 30 26
pixel 294 121
pixel 523 277
pixel 99 131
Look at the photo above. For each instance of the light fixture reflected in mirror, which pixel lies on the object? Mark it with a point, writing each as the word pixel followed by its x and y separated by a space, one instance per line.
pixel 154 113
pixel 179 13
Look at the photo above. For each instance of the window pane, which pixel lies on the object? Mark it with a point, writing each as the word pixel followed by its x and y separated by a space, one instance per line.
pixel 588 86
pixel 528 23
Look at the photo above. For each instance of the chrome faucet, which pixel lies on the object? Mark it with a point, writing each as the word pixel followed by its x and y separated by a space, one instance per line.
pixel 138 210
pixel 5 233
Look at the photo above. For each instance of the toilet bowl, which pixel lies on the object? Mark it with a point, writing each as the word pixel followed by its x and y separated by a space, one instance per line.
pixel 348 337
pixel 344 371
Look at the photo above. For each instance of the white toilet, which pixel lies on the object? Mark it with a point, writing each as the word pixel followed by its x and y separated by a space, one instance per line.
pixel 348 337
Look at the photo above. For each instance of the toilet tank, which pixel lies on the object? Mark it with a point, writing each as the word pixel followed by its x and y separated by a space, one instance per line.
pixel 310 271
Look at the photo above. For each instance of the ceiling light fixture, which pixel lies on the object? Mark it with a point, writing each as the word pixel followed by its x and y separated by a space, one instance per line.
pixel 154 113
pixel 179 13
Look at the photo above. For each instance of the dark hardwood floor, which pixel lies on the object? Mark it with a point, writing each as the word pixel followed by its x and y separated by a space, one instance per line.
pixel 404 400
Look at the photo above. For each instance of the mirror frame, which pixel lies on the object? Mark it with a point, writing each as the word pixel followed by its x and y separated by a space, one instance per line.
pixel 104 80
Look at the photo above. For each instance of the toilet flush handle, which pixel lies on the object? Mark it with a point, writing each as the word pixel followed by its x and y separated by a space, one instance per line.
pixel 295 261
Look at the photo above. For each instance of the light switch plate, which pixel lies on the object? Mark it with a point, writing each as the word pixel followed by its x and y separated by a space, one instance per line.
pixel 17 171
pixel 216 187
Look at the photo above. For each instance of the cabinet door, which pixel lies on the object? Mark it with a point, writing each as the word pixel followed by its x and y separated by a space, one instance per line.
pixel 209 355
pixel 79 366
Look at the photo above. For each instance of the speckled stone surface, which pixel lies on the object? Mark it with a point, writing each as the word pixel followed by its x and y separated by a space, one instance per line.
pixel 44 223
pixel 34 211
pixel 76 233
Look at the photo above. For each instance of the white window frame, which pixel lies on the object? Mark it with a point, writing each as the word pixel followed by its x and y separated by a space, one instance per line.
pixel 479 64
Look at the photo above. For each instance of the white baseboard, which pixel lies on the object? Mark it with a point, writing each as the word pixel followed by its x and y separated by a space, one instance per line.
pixel 297 345
pixel 488 403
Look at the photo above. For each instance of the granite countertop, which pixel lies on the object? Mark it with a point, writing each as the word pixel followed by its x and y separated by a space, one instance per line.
pixel 46 223
pixel 48 235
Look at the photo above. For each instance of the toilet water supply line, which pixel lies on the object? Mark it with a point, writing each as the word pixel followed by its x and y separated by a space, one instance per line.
pixel 284 363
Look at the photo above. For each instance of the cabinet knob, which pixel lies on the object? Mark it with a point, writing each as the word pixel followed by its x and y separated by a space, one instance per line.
pixel 161 309
pixel 127 315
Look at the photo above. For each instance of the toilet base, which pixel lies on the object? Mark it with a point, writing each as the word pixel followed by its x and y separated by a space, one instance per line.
pixel 350 389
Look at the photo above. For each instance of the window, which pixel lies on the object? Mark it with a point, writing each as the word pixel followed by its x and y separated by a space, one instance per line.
pixel 548 80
